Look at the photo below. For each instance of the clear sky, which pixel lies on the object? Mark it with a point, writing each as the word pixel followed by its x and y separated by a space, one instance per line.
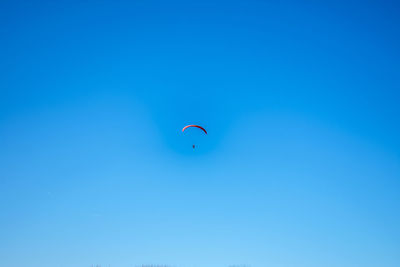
pixel 301 166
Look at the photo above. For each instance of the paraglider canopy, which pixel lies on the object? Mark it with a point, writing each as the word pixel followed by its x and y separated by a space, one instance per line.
pixel 192 125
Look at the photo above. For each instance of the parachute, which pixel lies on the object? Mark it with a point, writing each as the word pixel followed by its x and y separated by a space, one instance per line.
pixel 195 126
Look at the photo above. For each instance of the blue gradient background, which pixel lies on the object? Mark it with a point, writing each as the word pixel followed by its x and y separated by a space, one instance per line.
pixel 301 166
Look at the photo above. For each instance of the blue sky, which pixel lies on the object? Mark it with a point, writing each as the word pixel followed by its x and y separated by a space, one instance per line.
pixel 301 166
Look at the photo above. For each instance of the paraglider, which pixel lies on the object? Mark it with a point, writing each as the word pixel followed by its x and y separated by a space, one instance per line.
pixel 192 125
pixel 195 126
